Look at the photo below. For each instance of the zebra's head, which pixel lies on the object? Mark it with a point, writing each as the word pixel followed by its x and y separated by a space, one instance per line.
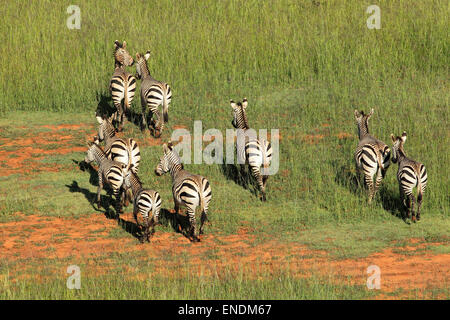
pixel 397 147
pixel 141 64
pixel 168 160
pixel 121 55
pixel 362 120
pixel 105 127
pixel 90 154
pixel 239 114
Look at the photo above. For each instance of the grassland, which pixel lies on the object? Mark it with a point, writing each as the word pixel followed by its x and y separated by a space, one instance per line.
pixel 304 67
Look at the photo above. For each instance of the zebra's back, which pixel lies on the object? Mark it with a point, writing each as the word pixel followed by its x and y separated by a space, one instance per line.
pixel 122 87
pixel 191 190
pixel 125 151
pixel 412 174
pixel 148 201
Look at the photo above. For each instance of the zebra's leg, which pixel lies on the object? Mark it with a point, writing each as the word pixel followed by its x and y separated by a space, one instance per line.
pixel 193 224
pixel 419 203
pixel 378 180
pixel 257 174
pixel 369 184
pixel 412 201
pixel 203 219
pixel 143 120
pixel 264 181
pixel 177 211
pixel 119 208
pixel 99 189
pixel 138 226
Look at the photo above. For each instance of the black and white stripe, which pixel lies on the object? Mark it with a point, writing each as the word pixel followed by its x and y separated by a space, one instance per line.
pixel 256 152
pixel 153 94
pixel 122 150
pixel 188 190
pixel 372 156
pixel 146 202
pixel 109 171
pixel 122 85
pixel 410 174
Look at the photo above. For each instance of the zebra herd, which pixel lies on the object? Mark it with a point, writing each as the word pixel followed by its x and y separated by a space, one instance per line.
pixel 119 159
pixel 372 158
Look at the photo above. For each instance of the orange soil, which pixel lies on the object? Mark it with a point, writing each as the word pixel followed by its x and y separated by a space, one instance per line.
pixel 25 151
pixel 85 238
pixel 35 237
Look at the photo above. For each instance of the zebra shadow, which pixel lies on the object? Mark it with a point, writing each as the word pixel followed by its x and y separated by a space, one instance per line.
pixel 104 104
pixel 392 202
pixel 347 177
pixel 241 176
pixel 106 200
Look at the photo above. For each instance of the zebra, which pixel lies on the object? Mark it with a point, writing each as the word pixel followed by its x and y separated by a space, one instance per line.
pixel 145 201
pixel 188 189
pixel 153 94
pixel 122 85
pixel 256 152
pixel 410 174
pixel 110 171
pixel 118 149
pixel 372 156
pixel 125 151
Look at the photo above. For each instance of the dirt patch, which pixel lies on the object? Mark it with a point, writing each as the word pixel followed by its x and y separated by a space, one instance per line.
pixel 88 237
pixel 22 155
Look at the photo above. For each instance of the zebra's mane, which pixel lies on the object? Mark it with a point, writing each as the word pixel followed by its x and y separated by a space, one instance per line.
pixel 135 176
pixel 99 149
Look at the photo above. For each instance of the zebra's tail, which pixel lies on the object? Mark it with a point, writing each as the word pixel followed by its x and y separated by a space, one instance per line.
pixel 202 201
pixel 166 105
pixel 126 102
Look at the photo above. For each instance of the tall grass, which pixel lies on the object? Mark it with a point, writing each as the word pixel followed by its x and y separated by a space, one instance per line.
pixel 211 50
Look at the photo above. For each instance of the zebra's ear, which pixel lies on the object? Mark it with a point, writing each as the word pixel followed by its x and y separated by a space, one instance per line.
pixel 370 113
pixel 403 136
pixel 356 114
pixel 233 105
pixel 147 55
pixel 165 148
pixel 117 44
pixel 245 103
pixel 393 137
pixel 124 44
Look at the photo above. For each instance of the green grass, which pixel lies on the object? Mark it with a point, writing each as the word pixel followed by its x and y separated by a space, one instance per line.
pixel 303 67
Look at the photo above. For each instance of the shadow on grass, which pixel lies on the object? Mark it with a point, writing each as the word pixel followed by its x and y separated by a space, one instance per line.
pixel 392 202
pixel 348 178
pixel 240 175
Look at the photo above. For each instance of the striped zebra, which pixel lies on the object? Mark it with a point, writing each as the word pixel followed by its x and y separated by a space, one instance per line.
pixel 188 190
pixel 410 174
pixel 153 94
pixel 122 84
pixel 372 156
pixel 145 201
pixel 118 149
pixel 256 152
pixel 109 171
